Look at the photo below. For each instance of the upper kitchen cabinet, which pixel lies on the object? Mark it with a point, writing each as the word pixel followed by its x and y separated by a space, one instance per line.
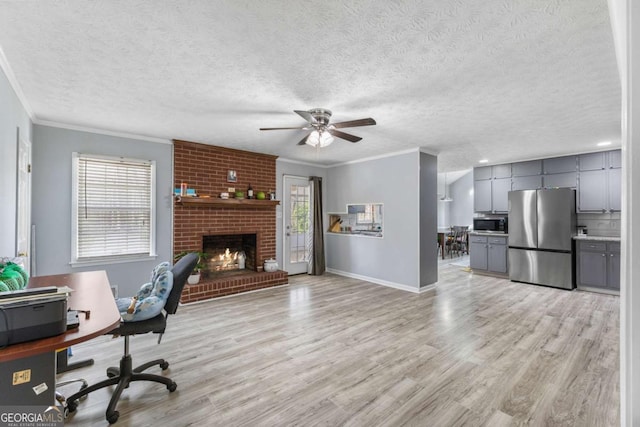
pixel 561 180
pixel 599 184
pixel 482 173
pixel 601 160
pixel 559 165
pixel 501 171
pixel 592 161
pixel 530 168
pixel 615 159
pixel 526 182
pixel 560 172
pixel 491 188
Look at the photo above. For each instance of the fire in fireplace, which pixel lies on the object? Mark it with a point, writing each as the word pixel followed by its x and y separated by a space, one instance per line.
pixel 227 261
pixel 225 252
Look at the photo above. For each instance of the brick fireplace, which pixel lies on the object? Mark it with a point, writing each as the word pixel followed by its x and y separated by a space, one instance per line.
pixel 203 226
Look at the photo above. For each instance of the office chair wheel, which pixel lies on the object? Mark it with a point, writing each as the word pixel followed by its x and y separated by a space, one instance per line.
pixel 164 365
pixel 70 407
pixel 172 387
pixel 65 412
pixel 113 372
pixel 113 417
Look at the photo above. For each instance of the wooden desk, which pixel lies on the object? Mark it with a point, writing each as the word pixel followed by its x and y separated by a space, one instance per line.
pixel 91 292
pixel 33 362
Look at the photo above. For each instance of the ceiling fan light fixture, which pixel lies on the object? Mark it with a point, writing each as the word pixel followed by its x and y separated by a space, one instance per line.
pixel 314 138
pixel 325 139
pixel 322 138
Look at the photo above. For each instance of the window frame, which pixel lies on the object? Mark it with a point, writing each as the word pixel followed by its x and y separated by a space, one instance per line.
pixel 75 199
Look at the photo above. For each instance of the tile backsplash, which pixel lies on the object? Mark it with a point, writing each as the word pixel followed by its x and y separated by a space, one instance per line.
pixel 607 224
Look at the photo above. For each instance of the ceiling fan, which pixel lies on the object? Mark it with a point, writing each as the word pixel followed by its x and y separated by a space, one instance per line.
pixel 322 132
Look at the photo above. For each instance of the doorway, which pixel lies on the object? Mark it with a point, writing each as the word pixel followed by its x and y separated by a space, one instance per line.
pixel 23 205
pixel 298 240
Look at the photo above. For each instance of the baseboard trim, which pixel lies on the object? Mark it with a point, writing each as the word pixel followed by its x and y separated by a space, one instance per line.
pixel 377 281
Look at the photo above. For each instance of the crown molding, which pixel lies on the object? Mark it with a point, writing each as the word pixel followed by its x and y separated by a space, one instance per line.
pixel 101 131
pixel 381 156
pixel 299 162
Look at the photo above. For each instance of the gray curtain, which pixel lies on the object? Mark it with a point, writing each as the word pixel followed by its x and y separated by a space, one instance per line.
pixel 316 263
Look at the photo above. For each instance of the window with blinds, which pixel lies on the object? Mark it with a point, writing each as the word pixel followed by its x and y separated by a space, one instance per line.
pixel 113 208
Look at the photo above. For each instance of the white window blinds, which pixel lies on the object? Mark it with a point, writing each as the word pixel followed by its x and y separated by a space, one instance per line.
pixel 114 215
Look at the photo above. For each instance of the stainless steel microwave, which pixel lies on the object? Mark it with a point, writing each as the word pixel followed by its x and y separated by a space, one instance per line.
pixel 496 225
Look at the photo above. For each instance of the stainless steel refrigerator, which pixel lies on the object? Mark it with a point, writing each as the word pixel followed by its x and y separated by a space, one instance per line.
pixel 542 224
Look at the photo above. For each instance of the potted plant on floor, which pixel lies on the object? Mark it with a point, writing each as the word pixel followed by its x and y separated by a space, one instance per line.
pixel 194 277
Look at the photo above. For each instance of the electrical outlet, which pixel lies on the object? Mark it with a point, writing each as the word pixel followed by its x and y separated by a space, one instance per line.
pixel 231 189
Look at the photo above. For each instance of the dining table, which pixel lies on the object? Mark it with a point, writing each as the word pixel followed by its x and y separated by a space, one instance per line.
pixel 443 232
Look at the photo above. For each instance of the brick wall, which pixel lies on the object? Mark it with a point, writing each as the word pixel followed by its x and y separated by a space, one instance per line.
pixel 204 168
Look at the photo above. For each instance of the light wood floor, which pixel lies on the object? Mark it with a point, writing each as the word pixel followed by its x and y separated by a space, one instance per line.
pixel 476 351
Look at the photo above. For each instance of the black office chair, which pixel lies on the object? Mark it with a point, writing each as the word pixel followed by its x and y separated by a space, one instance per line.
pixel 126 374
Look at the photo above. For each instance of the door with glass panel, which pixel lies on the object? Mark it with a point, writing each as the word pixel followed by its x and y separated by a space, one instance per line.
pixel 297 209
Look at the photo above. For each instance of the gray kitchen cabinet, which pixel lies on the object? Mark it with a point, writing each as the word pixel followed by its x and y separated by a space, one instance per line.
pixel 482 173
pixel 500 188
pixel 592 161
pixel 482 196
pixel 488 253
pixel 501 171
pixel 598 265
pixel 615 159
pixel 599 183
pixel 560 180
pixel 478 252
pixel 559 165
pixel 497 254
pixel 592 191
pixel 526 183
pixel 614 184
pixel 613 266
pixel 530 168
pixel 491 195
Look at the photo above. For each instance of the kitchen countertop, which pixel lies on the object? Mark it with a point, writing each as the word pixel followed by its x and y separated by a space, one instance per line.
pixel 488 233
pixel 600 238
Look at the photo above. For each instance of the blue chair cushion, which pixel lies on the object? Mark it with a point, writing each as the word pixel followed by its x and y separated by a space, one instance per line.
pixel 150 299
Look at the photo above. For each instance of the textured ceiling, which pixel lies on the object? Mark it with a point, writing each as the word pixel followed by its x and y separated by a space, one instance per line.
pixel 502 80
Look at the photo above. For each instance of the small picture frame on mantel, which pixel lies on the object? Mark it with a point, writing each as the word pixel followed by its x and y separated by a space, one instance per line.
pixel 232 176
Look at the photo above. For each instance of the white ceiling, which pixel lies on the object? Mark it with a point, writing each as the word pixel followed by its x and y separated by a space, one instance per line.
pixel 498 79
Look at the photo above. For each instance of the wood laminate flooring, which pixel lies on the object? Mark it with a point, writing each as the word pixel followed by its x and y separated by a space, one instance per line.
pixel 334 351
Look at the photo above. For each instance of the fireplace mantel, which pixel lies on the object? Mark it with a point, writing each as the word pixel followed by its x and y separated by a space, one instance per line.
pixel 227 203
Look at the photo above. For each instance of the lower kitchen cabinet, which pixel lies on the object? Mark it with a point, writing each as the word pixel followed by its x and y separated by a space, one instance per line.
pixel 488 253
pixel 598 265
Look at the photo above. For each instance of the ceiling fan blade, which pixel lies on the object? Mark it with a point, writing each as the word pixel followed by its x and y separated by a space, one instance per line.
pixel 347 136
pixel 353 123
pixel 282 128
pixel 304 140
pixel 306 115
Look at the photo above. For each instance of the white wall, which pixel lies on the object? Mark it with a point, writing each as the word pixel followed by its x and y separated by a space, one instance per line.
pixel 51 207
pixel 14 119
pixel 394 181
pixel 461 209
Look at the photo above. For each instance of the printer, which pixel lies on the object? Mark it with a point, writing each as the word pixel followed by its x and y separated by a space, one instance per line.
pixel 28 315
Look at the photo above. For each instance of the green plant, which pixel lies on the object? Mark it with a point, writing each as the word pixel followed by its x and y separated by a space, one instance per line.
pixel 202 257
